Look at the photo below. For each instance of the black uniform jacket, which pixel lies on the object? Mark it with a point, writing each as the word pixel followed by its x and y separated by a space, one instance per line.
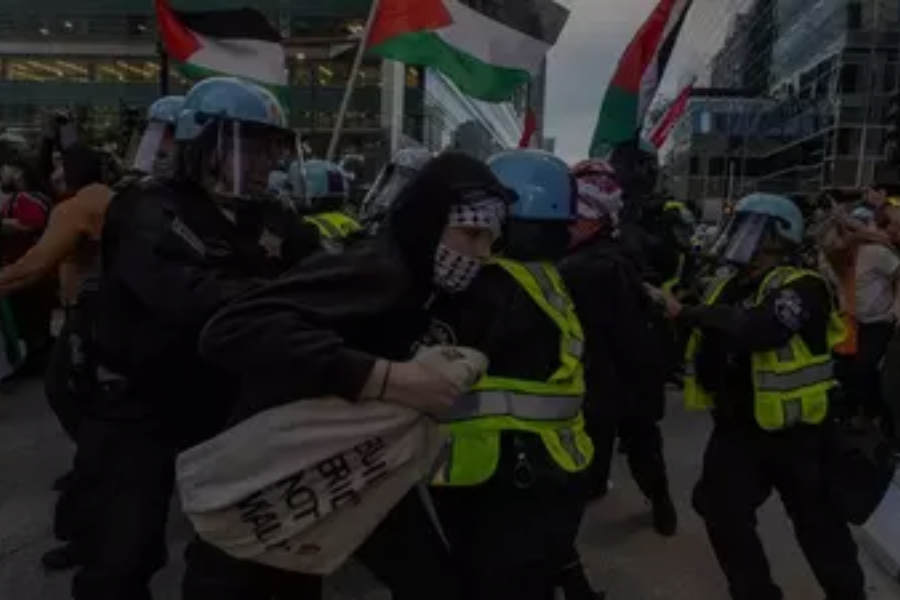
pixel 734 328
pixel 170 259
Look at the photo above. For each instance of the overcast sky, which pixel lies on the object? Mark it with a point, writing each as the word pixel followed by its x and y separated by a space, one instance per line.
pixel 583 60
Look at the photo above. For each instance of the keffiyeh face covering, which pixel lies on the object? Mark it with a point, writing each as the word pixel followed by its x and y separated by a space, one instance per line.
pixel 454 271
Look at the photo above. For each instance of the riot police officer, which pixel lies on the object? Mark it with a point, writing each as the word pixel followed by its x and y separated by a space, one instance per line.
pixel 518 448
pixel 174 250
pixel 760 358
pixel 327 191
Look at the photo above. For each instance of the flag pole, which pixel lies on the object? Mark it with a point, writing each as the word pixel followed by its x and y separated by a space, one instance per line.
pixel 351 82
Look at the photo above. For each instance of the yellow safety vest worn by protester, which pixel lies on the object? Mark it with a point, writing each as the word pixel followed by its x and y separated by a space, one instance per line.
pixel 791 383
pixel 550 409
pixel 333 225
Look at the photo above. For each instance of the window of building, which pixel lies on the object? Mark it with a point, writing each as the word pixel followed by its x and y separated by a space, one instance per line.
pixel 413 77
pixel 854 16
pixel 848 141
pixel 22 69
pixel 330 73
pixel 137 25
pixel 127 71
pixel 694 168
pixel 851 79
pixel 369 75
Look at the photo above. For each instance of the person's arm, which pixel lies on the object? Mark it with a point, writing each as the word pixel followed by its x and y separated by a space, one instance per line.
pixel 770 325
pixel 64 231
pixel 160 261
pixel 284 336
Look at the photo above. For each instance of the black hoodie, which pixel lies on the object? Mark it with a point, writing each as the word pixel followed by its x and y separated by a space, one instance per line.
pixel 318 330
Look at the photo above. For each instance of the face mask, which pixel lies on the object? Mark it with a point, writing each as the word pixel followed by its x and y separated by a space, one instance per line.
pixel 454 272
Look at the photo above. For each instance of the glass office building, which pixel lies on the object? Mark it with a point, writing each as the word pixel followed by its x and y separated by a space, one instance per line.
pixel 826 76
pixel 101 60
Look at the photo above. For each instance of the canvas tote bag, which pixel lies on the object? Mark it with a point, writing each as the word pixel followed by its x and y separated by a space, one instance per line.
pixel 301 486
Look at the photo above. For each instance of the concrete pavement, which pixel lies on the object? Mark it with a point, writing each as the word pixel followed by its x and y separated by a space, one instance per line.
pixel 620 550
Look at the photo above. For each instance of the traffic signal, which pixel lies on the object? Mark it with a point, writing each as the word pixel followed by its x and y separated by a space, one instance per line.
pixel 892 134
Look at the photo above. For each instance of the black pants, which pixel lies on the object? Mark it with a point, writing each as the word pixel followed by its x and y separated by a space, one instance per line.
pixel 405 553
pixel 123 480
pixel 511 543
pixel 63 400
pixel 642 442
pixel 67 407
pixel 741 467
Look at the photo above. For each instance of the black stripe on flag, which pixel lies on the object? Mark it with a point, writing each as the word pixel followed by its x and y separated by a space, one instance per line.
pixel 668 44
pixel 239 23
pixel 539 19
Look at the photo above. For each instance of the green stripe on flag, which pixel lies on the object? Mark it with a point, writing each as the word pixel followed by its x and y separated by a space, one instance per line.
pixel 472 76
pixel 616 123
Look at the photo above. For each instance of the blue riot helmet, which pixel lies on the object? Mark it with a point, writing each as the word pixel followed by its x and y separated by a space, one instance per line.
pixel 327 186
pixel 546 204
pixel 153 150
pixel 232 135
pixel 761 224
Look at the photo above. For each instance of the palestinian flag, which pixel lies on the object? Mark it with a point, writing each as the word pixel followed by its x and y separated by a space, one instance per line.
pixel 529 139
pixel 236 42
pixel 673 113
pixel 488 49
pixel 637 77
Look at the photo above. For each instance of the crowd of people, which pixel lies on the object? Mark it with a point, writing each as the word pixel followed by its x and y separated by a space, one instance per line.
pixel 221 278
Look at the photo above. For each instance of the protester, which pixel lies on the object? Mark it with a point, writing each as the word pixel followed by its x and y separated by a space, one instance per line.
pixel 353 320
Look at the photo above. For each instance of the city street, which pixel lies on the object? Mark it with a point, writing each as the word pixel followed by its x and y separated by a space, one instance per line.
pixel 623 554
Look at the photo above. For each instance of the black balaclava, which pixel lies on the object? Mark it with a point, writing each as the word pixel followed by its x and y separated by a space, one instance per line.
pixel 637 172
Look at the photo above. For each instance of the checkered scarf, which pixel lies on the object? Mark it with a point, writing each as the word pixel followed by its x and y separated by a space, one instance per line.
pixel 488 213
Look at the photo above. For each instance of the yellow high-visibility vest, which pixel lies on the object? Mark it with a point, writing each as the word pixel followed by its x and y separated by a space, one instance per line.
pixel 333 225
pixel 550 409
pixel 791 384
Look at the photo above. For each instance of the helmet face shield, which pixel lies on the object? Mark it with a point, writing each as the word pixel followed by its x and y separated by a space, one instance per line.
pixel 743 237
pixel 245 154
pixel 384 192
pixel 153 150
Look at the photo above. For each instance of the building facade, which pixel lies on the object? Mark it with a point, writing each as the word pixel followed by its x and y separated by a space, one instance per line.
pixel 818 82
pixel 101 60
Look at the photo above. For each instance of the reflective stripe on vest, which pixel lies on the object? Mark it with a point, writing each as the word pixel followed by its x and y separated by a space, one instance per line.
pixel 333 225
pixel 790 383
pixel 670 284
pixel 509 404
pixel 550 409
pixel 543 284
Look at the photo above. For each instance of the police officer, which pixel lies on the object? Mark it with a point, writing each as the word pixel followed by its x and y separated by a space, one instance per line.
pixel 518 447
pixel 71 244
pixel 154 150
pixel 328 191
pixel 760 358
pixel 174 250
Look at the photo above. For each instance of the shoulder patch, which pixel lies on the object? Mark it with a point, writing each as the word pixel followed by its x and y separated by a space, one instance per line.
pixel 789 309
